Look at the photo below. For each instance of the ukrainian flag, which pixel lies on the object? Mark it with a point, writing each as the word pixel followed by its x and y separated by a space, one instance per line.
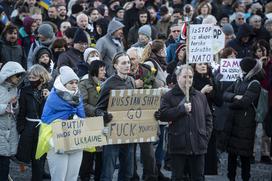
pixel 45 3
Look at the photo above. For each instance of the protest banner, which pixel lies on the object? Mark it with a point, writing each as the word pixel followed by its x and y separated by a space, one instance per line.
pixel 218 39
pixel 78 133
pixel 133 115
pixel 200 43
pixel 230 69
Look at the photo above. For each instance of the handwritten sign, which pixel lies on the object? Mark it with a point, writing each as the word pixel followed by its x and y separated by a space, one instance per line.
pixel 200 43
pixel 230 69
pixel 218 39
pixel 78 134
pixel 133 115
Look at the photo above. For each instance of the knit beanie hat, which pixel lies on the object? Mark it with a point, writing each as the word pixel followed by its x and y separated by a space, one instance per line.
pixel 88 51
pixel 76 8
pixel 67 74
pixel 46 30
pixel 180 46
pixel 145 30
pixel 43 51
pixel 227 29
pixel 27 23
pixel 247 64
pixel 101 9
pixel 80 36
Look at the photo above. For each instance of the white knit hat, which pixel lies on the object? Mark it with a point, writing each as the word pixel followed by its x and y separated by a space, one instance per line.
pixel 67 74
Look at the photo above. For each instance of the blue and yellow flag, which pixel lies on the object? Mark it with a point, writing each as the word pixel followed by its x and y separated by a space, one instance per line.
pixel 45 3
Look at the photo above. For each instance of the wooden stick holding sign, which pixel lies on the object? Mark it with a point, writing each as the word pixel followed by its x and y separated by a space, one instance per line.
pixel 187 95
pixel 77 134
pixel 133 115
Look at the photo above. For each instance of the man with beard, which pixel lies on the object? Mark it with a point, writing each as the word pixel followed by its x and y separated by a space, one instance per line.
pixel 62 13
pixel 9 48
pixel 52 15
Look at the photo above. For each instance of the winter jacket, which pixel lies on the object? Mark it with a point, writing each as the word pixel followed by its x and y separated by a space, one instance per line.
pixel 74 59
pixel 12 52
pixel 189 133
pixel 8 132
pixel 90 94
pixel 241 124
pixel 60 105
pixel 113 83
pixel 31 104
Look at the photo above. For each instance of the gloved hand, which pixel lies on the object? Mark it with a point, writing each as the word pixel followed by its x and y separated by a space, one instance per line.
pixel 107 118
pixel 157 115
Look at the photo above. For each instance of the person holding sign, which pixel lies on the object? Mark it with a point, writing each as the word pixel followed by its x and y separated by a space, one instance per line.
pixel 190 126
pixel 120 80
pixel 63 103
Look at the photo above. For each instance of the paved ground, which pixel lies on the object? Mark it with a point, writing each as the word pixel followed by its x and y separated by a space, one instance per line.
pixel 259 172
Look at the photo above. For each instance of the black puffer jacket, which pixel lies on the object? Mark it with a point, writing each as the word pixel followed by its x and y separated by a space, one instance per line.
pixel 241 125
pixel 189 133
pixel 113 83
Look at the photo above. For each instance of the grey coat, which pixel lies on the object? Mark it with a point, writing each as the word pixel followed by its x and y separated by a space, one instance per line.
pixel 8 132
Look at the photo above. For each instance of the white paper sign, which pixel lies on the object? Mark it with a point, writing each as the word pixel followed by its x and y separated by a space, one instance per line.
pixel 230 69
pixel 218 39
pixel 200 43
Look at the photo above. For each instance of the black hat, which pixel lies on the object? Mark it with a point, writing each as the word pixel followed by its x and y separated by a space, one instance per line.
pixel 247 64
pixel 164 10
pixel 76 8
pixel 80 36
pixel 43 51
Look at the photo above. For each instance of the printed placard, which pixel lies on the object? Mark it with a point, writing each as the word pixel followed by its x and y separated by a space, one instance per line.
pixel 78 133
pixel 230 69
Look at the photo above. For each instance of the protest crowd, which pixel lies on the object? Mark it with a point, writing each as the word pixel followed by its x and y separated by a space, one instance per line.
pixel 202 71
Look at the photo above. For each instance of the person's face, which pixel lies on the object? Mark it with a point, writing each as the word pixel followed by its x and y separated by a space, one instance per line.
pixel 143 39
pixel 185 78
pixel 34 26
pixel 106 13
pixel 72 85
pixel 176 16
pixel 32 77
pixel 99 30
pixel 97 3
pixel 12 36
pixel 62 11
pixel 245 39
pixel 31 3
pixel 52 12
pixel 123 65
pixel 120 14
pixel 61 49
pixel 204 10
pixel 37 18
pixel 228 38
pixel 69 41
pixel 93 56
pixel 84 5
pixel 268 27
pixel 241 7
pixel 240 20
pixel 153 13
pixel 64 26
pixel 224 21
pixel 139 3
pixel 175 32
pixel 261 52
pixel 15 79
pixel 162 52
pixel 83 22
pixel 101 73
pixel 94 16
pixel 134 60
pixel 256 23
pixel 182 53
pixel 143 18
pixel 231 56
pixel 81 46
pixel 118 34
pixel 201 68
pixel 44 58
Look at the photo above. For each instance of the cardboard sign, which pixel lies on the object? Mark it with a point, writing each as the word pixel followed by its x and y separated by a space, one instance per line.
pixel 78 134
pixel 133 115
pixel 230 69
pixel 200 43
pixel 218 39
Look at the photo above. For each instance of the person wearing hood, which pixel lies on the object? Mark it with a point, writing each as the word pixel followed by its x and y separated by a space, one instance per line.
pixel 243 41
pixel 26 34
pixel 90 55
pixel 63 103
pixel 31 102
pixel 10 77
pixel 9 48
pixel 144 37
pixel 101 28
pixel 110 44
pixel 73 57
pixel 240 126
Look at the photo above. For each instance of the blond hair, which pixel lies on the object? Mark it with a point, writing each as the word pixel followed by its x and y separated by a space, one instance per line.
pixel 39 71
pixel 153 47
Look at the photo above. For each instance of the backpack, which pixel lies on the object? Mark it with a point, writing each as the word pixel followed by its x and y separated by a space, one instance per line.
pixel 262 105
